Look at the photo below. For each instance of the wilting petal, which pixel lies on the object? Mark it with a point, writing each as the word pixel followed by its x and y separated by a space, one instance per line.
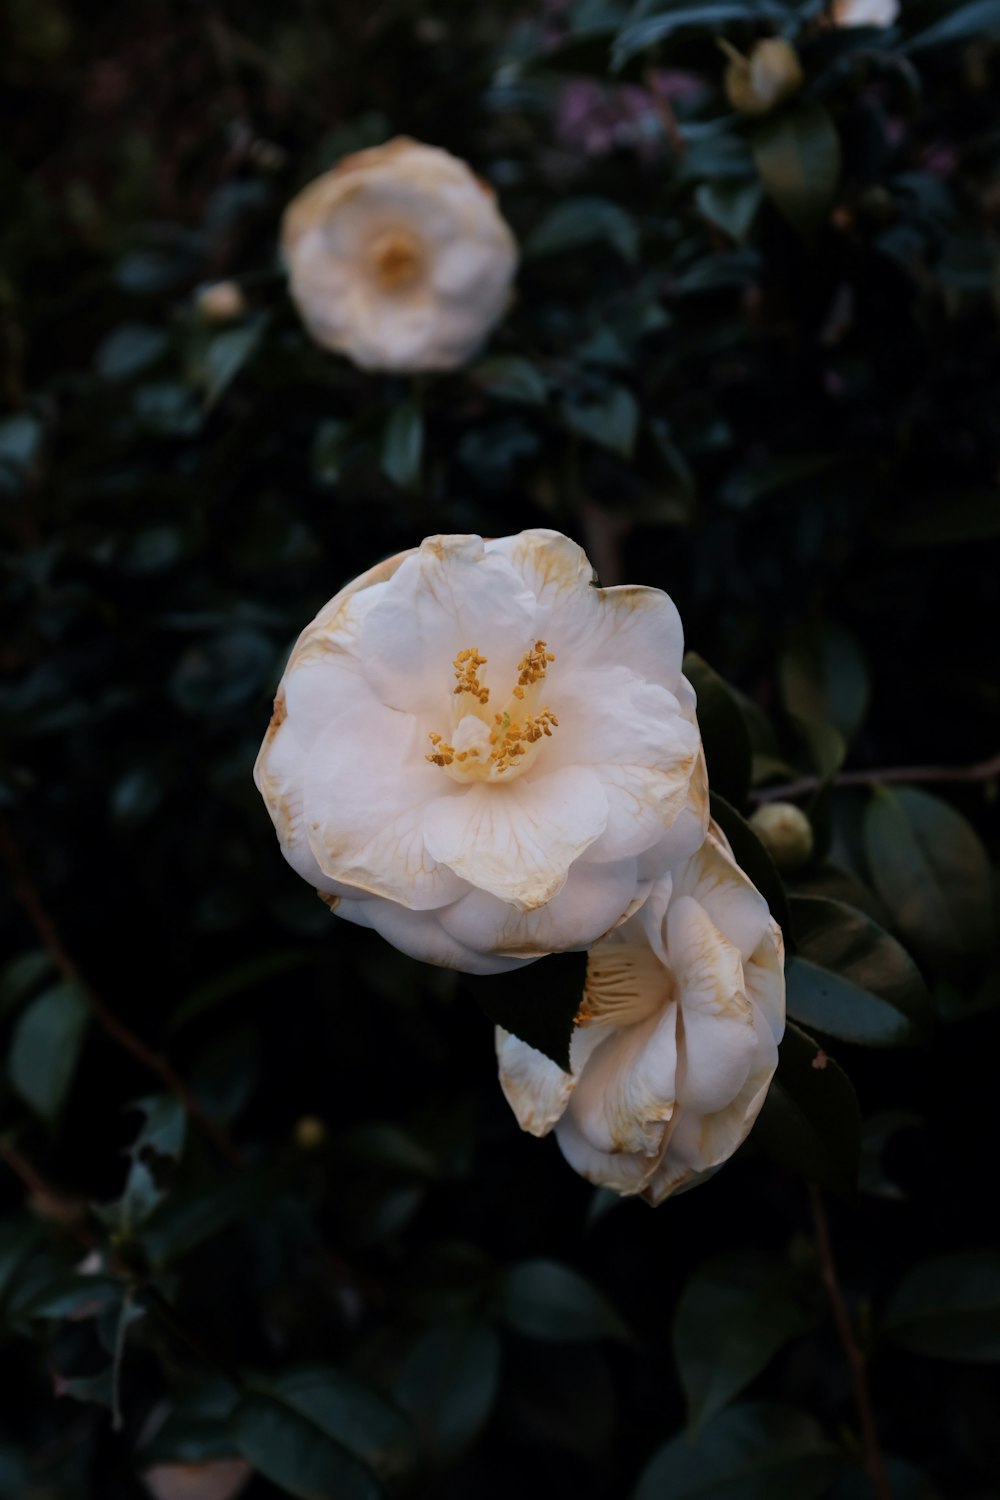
pixel 419 934
pixel 714 879
pixel 366 788
pixel 534 1086
pixel 592 901
pixel 627 1090
pixel 518 840
pixel 719 1036
pixel 623 1172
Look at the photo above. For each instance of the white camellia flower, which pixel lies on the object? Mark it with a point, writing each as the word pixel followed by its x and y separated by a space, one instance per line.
pixel 399 259
pixel 758 83
pixel 483 756
pixel 865 12
pixel 676 1040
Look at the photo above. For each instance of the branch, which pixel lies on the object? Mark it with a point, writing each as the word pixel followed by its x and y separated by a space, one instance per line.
pixel 51 1203
pixel 155 1062
pixel 984 770
pixel 874 1465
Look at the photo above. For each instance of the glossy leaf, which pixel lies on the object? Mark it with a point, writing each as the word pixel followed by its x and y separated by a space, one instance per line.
pixel 708 19
pixel 733 1316
pixel 797 152
pixel 811 1124
pixel 759 1451
pixel 374 1430
pixel 949 1308
pixel 723 730
pixel 448 1384
pixel 297 1455
pixel 583 221
pixel 403 445
pixel 509 378
pixel 931 871
pixel 545 1300
pixel 609 418
pixel 45 1048
pixel 824 677
pixel 851 980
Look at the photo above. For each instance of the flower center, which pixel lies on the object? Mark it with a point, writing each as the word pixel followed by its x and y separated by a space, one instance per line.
pixel 398 259
pixel 624 985
pixel 487 746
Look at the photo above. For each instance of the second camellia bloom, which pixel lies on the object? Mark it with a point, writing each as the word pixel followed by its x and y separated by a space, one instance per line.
pixel 482 755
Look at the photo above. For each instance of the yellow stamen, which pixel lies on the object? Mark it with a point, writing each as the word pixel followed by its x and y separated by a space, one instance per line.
pixel 510 738
pixel 468 665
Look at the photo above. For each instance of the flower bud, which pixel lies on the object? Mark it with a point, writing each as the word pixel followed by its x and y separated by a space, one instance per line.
pixel 756 84
pixel 310 1133
pixel 785 832
pixel 222 302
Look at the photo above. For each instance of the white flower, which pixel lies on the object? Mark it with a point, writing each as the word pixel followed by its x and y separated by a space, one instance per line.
pixel 483 756
pixel 398 258
pixel 865 12
pixel 676 1040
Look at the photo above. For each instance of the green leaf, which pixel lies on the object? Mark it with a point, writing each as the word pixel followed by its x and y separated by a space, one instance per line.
pixel 759 1451
pixel 448 1384
pixel 45 1048
pixel 297 1455
pixel 811 1124
pixel 733 1316
pixel 823 677
pixel 158 1145
pixel 981 18
pixel 707 19
pixel 536 1003
pixel 129 348
pixel 797 152
pixel 949 1308
pixel 731 205
pixel 363 1421
pixel 723 728
pixel 237 981
pixel 754 860
pixel 22 975
pixel 545 1300
pixel 932 872
pixel 225 357
pixel 583 221
pixel 403 445
pixel 851 980
pixel 510 378
pixel 610 418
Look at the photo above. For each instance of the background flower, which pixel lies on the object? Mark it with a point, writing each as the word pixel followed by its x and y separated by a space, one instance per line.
pixel 483 756
pixel 676 1038
pixel 398 258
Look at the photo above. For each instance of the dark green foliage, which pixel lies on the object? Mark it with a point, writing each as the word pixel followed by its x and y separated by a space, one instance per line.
pixel 261 1201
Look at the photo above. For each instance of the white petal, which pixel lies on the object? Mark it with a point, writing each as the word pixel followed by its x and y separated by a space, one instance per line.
pixel 621 1171
pixel 719 1038
pixel 714 879
pixel 420 935
pixel 593 900
pixel 626 1093
pixel 764 978
pixel 366 787
pixel 517 841
pixel 446 597
pixel 534 1086
pixel 631 626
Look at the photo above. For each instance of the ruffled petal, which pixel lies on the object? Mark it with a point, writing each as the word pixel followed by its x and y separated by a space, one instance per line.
pixel 621 1172
pixel 593 900
pixel 517 841
pixel 446 597
pixel 535 1087
pixel 626 1093
pixel 719 1040
pixel 366 788
pixel 420 935
pixel 714 879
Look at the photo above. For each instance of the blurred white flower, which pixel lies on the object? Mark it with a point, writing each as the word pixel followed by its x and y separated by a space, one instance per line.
pixel 483 756
pixel 676 1040
pixel 210 1479
pixel 221 302
pixel 865 12
pixel 756 84
pixel 398 258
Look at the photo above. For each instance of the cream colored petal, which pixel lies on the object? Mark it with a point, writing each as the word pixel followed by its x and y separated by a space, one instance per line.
pixel 367 784
pixel 714 879
pixel 625 1095
pixel 764 978
pixel 865 12
pixel 719 1040
pixel 623 1172
pixel 517 840
pixel 536 1088
pixel 448 596
pixel 593 900
pixel 420 935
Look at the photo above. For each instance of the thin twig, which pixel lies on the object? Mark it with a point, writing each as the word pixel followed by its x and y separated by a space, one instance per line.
pixel 874 1465
pixel 51 1203
pixel 984 770
pixel 155 1062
